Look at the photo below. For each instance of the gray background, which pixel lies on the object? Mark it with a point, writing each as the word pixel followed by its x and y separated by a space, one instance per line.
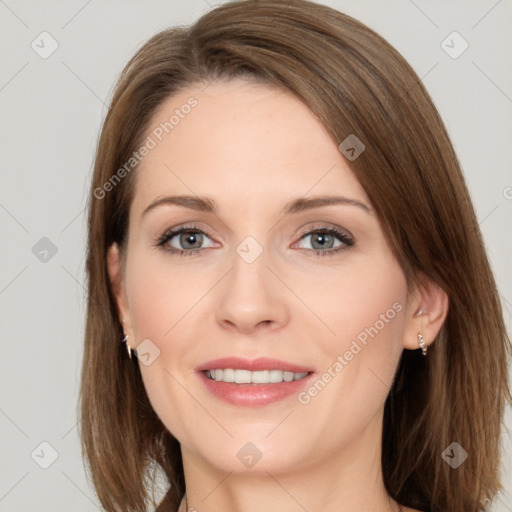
pixel 52 109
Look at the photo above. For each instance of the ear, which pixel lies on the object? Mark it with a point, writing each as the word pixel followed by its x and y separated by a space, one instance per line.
pixel 426 312
pixel 119 288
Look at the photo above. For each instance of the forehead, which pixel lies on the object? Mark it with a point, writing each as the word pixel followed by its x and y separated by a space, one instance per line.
pixel 241 141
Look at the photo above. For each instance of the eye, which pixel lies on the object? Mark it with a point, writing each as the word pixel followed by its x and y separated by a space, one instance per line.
pixel 184 241
pixel 326 241
pixel 189 240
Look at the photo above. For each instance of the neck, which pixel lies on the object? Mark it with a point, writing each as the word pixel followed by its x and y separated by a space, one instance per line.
pixel 349 480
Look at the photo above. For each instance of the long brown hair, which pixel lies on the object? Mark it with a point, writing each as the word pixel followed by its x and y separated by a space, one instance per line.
pixel 356 83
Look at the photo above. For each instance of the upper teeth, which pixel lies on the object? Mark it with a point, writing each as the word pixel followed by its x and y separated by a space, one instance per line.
pixel 248 377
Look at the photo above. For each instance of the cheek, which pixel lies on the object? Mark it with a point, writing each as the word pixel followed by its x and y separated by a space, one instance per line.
pixel 160 298
pixel 361 301
pixel 162 309
pixel 362 311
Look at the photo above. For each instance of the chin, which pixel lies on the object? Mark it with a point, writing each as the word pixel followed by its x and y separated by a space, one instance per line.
pixel 249 457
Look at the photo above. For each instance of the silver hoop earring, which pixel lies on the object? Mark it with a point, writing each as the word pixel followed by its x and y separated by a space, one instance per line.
pixel 129 349
pixel 422 344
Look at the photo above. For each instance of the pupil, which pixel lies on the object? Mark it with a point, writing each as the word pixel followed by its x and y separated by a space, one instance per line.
pixel 191 238
pixel 321 238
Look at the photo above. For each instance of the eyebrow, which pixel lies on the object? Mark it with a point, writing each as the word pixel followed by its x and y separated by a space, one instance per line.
pixel 208 205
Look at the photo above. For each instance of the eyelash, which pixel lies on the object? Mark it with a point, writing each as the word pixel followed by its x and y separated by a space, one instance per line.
pixel 341 235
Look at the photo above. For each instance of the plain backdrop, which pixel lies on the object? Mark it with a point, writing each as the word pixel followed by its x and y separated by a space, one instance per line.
pixel 59 62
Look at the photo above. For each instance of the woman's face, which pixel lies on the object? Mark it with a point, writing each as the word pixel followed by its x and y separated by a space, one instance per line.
pixel 313 286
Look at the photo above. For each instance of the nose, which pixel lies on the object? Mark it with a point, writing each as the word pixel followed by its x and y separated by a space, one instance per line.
pixel 251 297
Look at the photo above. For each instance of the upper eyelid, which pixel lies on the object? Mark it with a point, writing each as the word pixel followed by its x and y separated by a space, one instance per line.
pixel 319 226
pixel 337 232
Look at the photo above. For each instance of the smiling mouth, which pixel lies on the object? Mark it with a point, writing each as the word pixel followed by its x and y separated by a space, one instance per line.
pixel 230 375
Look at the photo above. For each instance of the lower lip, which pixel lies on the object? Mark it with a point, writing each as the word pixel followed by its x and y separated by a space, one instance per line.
pixel 253 395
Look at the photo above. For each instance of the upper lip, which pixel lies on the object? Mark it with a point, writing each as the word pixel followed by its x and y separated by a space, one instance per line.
pixel 261 363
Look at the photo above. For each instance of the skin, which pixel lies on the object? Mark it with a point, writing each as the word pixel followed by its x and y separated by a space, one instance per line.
pixel 252 148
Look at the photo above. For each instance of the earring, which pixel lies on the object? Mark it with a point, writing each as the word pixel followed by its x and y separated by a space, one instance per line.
pixel 129 349
pixel 422 344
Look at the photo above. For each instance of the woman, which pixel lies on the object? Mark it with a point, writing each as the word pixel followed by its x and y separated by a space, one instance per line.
pixel 290 306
